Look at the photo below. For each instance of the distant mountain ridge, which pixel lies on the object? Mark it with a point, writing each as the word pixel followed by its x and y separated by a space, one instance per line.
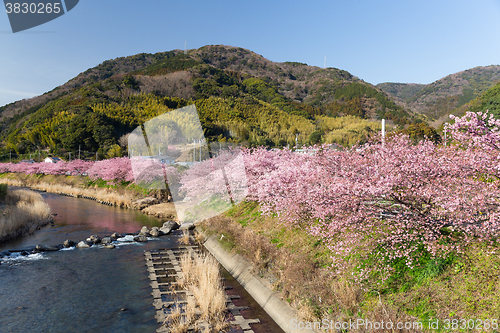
pixel 442 97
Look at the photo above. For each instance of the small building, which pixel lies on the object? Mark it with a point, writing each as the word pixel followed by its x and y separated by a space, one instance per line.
pixel 165 159
pixel 52 160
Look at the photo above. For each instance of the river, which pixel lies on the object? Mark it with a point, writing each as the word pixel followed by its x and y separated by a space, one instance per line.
pixel 87 290
pixel 80 290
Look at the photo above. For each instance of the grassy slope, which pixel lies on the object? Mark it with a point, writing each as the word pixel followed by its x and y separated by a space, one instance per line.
pixel 298 265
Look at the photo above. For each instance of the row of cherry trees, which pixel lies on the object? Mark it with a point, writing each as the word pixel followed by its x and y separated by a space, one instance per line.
pixel 117 169
pixel 393 199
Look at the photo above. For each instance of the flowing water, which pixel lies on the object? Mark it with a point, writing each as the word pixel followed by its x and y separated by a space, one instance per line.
pixel 87 290
pixel 80 290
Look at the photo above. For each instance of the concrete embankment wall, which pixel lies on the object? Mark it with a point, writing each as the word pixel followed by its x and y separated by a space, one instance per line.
pixel 281 312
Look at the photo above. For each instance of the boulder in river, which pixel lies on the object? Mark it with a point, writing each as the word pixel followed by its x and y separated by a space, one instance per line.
pixel 115 236
pixel 171 224
pixel 95 239
pixel 84 245
pixel 109 246
pixel 45 248
pixel 68 243
pixel 155 232
pixel 165 230
pixel 106 240
pixel 140 238
pixel 144 231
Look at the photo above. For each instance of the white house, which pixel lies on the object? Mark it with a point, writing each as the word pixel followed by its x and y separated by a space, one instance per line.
pixel 52 160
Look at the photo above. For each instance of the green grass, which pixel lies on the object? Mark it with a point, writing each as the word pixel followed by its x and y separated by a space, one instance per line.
pixel 452 287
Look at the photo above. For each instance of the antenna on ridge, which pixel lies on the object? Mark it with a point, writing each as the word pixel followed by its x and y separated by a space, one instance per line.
pixel 325 63
pixel 185 47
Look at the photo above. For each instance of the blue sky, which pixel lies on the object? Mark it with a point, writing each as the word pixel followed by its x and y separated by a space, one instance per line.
pixel 378 41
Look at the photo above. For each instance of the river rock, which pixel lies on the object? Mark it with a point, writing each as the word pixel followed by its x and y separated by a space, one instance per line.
pixel 84 245
pixel 106 240
pixel 109 246
pixel 171 224
pixel 143 203
pixel 165 231
pixel 45 248
pixel 94 239
pixel 155 232
pixel 140 238
pixel 68 243
pixel 144 231
pixel 187 226
pixel 115 236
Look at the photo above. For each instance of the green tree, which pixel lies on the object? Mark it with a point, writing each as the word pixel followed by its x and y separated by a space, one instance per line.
pixel 114 151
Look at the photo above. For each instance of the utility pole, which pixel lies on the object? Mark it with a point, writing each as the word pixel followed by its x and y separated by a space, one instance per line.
pixel 38 155
pixel 297 140
pixel 70 156
pixel 383 132
pixel 96 156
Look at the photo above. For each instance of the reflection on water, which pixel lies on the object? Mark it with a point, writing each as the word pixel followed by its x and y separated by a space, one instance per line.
pixel 83 290
pixel 77 219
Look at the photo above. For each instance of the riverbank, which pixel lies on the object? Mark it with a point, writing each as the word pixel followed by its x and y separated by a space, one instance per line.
pixel 21 212
pixel 120 194
pixel 299 268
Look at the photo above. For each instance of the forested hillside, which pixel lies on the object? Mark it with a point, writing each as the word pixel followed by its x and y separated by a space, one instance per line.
pixel 240 96
pixel 440 98
pixel 490 101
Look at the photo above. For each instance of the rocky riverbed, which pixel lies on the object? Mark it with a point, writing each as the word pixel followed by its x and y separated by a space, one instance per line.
pixel 106 242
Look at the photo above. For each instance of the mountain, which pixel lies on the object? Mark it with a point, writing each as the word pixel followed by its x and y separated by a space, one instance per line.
pixel 240 96
pixel 489 100
pixel 442 97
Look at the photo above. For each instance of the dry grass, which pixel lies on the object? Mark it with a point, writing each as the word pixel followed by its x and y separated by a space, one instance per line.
pixel 23 212
pixel 205 309
pixel 185 239
pixel 199 238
